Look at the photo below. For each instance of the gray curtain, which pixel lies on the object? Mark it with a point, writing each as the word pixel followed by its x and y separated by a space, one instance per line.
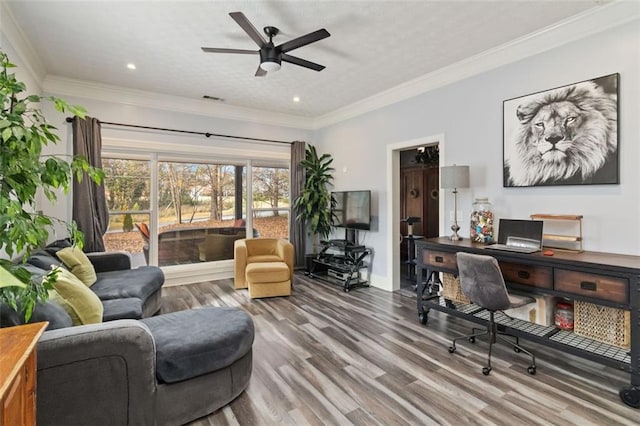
pixel 296 227
pixel 89 202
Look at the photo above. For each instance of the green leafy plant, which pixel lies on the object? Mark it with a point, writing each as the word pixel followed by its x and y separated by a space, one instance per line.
pixel 24 132
pixel 127 223
pixel 314 203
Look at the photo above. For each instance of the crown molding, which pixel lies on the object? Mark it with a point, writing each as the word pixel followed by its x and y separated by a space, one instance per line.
pixel 29 60
pixel 580 26
pixel 90 90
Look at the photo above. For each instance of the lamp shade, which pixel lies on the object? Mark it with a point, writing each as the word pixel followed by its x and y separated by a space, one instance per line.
pixel 454 177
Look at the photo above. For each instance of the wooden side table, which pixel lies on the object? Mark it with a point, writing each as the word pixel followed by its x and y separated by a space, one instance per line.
pixel 18 373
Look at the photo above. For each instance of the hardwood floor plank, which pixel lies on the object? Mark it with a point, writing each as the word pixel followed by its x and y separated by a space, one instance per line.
pixel 404 409
pixel 313 397
pixel 418 393
pixel 349 356
pixel 359 390
pixel 340 399
pixel 359 417
pixel 325 357
pixel 304 416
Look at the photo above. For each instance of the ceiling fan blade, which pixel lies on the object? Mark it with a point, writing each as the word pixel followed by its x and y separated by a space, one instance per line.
pixel 303 40
pixel 248 28
pixel 222 50
pixel 302 62
pixel 260 72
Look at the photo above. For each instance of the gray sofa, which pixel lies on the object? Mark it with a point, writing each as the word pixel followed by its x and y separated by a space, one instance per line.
pixel 125 293
pixel 166 370
pixel 134 368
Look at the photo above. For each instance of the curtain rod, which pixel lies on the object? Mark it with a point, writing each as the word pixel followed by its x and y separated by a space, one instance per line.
pixel 191 132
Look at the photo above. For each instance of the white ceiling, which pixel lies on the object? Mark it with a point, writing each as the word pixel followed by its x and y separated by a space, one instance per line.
pixel 374 45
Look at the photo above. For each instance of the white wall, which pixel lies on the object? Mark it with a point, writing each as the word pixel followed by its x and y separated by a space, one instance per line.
pixel 469 115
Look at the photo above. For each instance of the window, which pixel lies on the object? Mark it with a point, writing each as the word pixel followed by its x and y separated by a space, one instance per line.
pixel 196 212
pixel 127 189
pixel 194 216
pixel 271 205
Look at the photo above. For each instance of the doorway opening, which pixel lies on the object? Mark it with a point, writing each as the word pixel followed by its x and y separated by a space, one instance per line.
pixel 419 205
pixel 395 238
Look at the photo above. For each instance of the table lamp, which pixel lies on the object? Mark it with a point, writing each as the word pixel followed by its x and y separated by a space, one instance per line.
pixel 410 221
pixel 454 177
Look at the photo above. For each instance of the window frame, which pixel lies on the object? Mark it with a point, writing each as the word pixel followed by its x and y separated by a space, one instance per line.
pixel 156 152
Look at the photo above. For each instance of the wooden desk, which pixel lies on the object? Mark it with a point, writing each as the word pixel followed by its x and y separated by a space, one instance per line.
pixel 602 278
pixel 18 374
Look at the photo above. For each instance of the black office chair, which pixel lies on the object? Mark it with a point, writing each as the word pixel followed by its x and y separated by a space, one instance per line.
pixel 482 282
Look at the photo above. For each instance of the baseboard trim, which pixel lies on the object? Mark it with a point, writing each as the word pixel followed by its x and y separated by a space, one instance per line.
pixel 197 273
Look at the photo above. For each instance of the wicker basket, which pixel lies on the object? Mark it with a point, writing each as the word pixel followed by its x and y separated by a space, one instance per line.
pixel 452 290
pixel 602 323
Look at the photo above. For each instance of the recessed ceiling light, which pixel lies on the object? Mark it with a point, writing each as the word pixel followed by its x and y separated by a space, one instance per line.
pixel 131 66
pixel 296 99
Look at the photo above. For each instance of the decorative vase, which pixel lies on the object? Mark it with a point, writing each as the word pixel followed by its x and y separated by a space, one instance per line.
pixel 481 227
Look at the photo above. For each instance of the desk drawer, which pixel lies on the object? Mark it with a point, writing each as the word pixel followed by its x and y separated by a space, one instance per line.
pixel 440 259
pixel 534 276
pixel 598 286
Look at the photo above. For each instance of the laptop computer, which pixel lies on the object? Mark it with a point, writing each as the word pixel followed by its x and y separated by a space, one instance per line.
pixel 521 236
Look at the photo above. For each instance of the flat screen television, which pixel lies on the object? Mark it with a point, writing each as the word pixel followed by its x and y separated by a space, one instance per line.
pixel 352 209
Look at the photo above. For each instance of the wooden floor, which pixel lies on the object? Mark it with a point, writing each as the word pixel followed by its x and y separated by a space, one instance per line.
pixel 323 356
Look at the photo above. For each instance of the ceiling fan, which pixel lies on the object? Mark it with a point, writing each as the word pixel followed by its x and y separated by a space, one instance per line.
pixel 271 56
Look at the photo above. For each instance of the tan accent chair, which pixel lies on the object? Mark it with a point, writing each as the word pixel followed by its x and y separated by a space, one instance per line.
pixel 264 265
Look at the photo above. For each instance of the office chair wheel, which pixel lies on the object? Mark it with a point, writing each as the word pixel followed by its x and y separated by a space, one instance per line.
pixel 347 289
pixel 486 371
pixel 452 349
pixel 517 349
pixel 630 395
pixel 531 370
pixel 423 317
pixel 472 339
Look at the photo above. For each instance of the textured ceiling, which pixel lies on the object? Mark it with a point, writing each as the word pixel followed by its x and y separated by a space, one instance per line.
pixel 374 45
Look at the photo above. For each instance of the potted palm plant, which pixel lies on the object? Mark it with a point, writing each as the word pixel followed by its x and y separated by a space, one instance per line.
pixel 314 203
pixel 24 132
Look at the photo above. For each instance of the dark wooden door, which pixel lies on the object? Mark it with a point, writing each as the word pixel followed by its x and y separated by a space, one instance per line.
pixel 419 196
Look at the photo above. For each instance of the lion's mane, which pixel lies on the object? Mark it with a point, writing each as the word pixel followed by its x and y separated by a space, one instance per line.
pixel 586 147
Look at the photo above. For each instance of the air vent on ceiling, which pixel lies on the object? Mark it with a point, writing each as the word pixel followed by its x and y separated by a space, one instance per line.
pixel 213 98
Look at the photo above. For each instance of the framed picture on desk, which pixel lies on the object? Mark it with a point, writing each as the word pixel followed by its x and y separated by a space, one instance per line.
pixel 563 136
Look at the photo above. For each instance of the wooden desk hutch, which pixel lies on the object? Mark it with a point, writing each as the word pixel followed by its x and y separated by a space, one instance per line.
pixel 603 279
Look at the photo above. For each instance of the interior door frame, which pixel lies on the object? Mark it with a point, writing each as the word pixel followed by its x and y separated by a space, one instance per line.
pixel 393 206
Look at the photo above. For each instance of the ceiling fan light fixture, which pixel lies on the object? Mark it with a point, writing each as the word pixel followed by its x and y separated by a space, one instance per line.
pixel 271 55
pixel 270 66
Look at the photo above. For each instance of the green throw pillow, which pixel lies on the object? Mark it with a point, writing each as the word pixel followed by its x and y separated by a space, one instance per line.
pixel 82 304
pixel 79 264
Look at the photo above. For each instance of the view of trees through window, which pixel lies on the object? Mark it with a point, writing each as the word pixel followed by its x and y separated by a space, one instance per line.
pixel 271 201
pixel 191 193
pixel 127 187
pixel 196 203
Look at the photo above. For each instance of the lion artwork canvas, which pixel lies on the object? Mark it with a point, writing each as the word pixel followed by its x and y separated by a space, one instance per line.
pixel 563 136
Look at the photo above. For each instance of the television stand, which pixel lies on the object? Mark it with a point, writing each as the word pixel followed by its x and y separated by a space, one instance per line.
pixel 340 262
